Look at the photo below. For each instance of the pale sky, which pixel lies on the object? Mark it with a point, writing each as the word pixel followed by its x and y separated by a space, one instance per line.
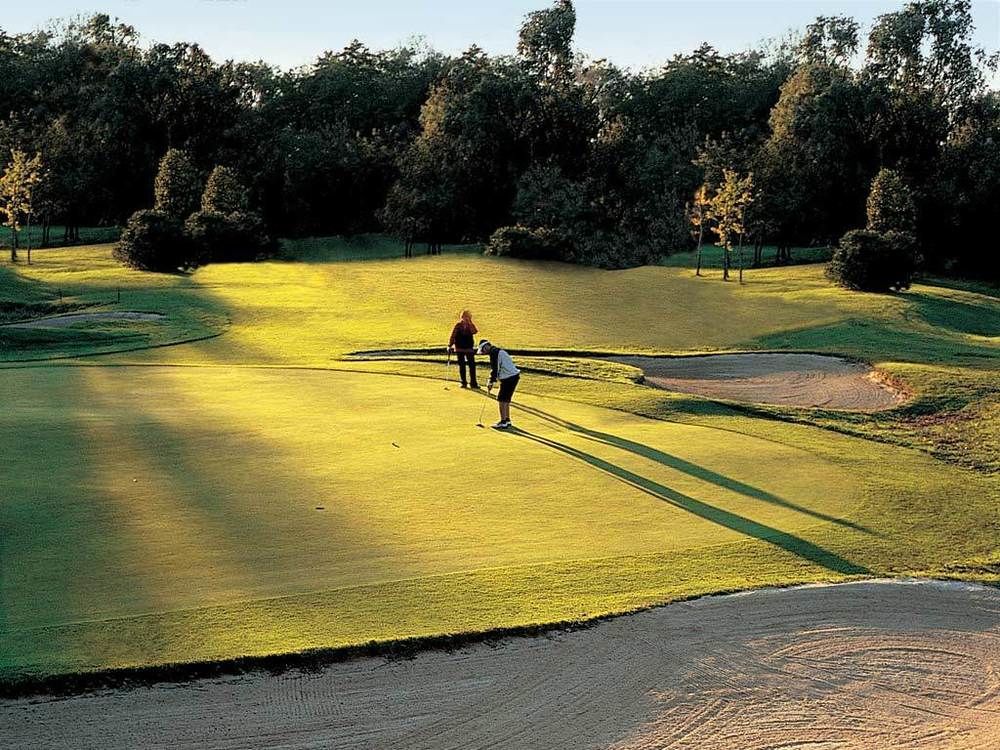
pixel 633 33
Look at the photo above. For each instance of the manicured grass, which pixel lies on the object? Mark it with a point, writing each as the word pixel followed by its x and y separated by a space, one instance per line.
pixel 258 493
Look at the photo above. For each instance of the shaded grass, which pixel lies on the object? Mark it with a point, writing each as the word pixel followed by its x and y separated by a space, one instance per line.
pixel 88 236
pixel 61 280
pixel 359 247
pixel 712 257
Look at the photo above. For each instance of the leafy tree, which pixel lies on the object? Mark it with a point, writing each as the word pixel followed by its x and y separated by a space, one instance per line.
pixel 546 38
pixel 19 188
pixel 177 189
pixel 728 210
pixel 699 211
pixel 890 206
pixel 829 40
pixel 224 193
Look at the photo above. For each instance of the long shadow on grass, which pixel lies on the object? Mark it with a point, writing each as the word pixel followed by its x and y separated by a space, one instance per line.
pixel 692 469
pixel 788 542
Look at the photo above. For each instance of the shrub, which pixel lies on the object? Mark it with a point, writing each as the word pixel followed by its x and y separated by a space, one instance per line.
pixel 154 241
pixel 873 261
pixel 525 242
pixel 219 238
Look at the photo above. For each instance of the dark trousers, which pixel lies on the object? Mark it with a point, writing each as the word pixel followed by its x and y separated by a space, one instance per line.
pixel 470 360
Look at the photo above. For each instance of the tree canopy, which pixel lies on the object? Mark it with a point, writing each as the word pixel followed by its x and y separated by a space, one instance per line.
pixel 438 148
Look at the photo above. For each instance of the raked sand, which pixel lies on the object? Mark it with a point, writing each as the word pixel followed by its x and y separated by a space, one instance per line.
pixel 864 665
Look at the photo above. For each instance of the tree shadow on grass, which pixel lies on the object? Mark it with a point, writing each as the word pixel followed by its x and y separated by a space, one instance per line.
pixel 960 317
pixel 692 469
pixel 788 542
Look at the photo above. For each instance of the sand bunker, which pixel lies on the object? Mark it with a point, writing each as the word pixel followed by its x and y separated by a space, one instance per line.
pixel 772 378
pixel 867 665
pixel 62 321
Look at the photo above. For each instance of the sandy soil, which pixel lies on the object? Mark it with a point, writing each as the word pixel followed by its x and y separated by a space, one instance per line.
pixel 867 665
pixel 62 321
pixel 772 378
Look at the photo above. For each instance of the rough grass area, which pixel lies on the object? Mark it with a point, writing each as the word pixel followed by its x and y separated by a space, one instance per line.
pixel 261 493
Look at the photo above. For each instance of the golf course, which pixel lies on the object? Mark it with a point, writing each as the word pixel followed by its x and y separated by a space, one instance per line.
pixel 233 480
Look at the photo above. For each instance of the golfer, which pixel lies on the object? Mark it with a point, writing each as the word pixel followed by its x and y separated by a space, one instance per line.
pixel 463 343
pixel 501 369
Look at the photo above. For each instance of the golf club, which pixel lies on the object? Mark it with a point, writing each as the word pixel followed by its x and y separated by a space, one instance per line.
pixel 483 410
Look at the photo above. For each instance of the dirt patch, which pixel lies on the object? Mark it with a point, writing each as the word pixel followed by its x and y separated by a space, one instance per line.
pixel 62 321
pixel 867 665
pixel 789 379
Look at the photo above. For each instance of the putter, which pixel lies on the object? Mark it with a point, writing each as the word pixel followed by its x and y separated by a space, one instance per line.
pixel 482 411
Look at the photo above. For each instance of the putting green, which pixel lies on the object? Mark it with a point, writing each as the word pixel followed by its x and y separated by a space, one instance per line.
pixel 182 488
pixel 250 494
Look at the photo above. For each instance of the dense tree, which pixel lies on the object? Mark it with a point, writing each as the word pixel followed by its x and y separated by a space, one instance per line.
pixel 598 162
pixel 154 241
pixel 873 261
pixel 224 193
pixel 178 186
pixel 890 205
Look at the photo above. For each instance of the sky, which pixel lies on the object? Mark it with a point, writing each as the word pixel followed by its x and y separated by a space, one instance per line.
pixel 632 33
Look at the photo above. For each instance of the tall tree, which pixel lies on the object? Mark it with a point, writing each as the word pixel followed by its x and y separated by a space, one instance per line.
pixel 729 206
pixel 19 186
pixel 177 189
pixel 698 215
pixel 890 205
pixel 224 193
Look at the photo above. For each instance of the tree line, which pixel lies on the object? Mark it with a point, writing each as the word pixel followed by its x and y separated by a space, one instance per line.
pixel 544 153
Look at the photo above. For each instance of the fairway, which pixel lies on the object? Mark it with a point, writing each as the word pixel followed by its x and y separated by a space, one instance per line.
pixel 261 491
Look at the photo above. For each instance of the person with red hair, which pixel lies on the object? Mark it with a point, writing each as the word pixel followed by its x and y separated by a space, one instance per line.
pixel 463 343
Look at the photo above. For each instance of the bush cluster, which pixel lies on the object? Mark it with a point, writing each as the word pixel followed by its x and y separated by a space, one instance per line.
pixel 872 261
pixel 527 242
pixel 223 230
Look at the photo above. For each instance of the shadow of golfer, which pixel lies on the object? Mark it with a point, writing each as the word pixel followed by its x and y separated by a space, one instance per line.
pixel 691 469
pixel 788 542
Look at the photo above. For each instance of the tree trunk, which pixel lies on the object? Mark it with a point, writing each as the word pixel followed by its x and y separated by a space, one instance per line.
pixel 701 234
pixel 725 263
pixel 29 239
pixel 13 245
pixel 741 258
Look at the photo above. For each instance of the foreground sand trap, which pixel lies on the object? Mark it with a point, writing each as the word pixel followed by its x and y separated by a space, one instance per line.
pixel 866 665
pixel 772 378
pixel 62 321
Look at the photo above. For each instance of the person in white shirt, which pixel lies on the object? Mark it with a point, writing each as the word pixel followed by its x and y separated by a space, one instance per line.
pixel 502 370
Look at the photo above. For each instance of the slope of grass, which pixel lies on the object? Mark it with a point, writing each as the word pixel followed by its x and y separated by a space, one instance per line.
pixel 260 492
pixel 69 279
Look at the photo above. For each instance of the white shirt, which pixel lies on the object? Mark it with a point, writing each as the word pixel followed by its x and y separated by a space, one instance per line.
pixel 505 366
